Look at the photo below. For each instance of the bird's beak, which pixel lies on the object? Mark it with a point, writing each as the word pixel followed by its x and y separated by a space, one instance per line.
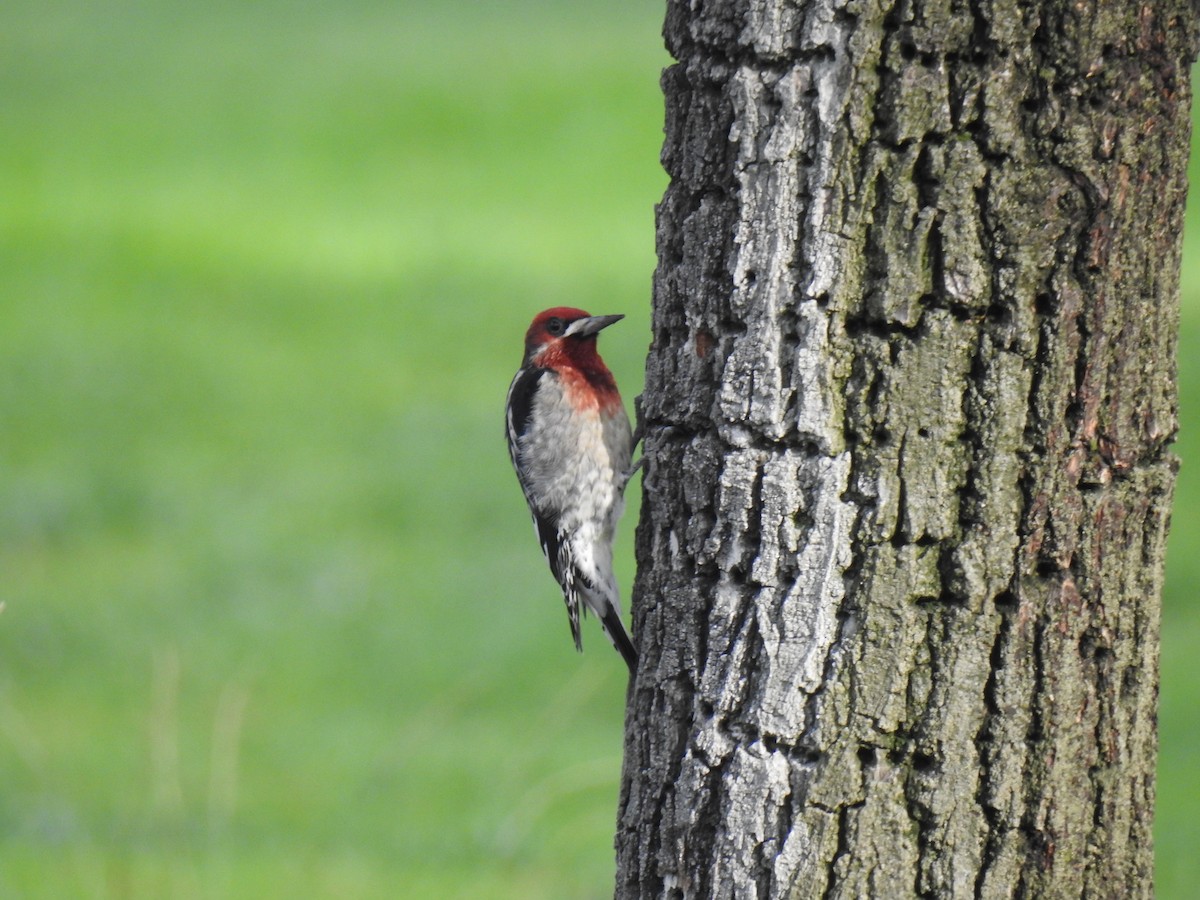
pixel 589 326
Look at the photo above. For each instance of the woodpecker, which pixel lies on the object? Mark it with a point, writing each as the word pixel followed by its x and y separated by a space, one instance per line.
pixel 570 442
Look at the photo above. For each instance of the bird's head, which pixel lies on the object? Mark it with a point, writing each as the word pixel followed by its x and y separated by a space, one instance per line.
pixel 565 336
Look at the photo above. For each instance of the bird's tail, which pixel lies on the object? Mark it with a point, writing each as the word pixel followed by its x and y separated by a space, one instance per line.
pixel 614 630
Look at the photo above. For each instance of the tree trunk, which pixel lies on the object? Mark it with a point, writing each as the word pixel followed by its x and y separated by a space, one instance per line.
pixel 908 406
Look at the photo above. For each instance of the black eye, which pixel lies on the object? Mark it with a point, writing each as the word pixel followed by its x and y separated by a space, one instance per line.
pixel 555 326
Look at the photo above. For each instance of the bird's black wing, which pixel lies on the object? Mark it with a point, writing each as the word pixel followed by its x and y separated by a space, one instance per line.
pixel 520 410
pixel 555 546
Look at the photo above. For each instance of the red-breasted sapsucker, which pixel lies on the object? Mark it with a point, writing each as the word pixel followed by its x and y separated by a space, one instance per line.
pixel 570 442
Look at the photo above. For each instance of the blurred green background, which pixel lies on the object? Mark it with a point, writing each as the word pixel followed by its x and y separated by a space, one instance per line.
pixel 275 623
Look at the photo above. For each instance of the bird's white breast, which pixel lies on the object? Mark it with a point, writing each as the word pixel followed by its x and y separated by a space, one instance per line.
pixel 577 452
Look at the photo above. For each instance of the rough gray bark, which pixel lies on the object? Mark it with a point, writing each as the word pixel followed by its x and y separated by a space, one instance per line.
pixel 908 405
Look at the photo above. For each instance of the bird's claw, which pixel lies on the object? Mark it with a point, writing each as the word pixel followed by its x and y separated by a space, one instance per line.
pixel 641 461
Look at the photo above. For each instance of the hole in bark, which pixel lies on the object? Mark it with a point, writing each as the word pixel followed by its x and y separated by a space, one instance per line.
pixel 881 435
pixel 908 51
pixel 1090 647
pixel 770 743
pixel 1030 104
pixel 1047 567
pixel 923 432
pixel 866 755
pixel 923 762
pixel 1006 602
pixel 1074 411
pixel 999 313
pixel 802 519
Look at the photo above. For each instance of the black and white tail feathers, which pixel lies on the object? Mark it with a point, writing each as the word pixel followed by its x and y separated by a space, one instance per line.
pixel 580 592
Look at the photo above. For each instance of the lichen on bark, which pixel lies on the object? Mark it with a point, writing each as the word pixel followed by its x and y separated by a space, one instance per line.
pixel 907 407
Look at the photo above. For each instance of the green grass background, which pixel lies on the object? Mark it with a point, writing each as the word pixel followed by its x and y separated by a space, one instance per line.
pixel 275 625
